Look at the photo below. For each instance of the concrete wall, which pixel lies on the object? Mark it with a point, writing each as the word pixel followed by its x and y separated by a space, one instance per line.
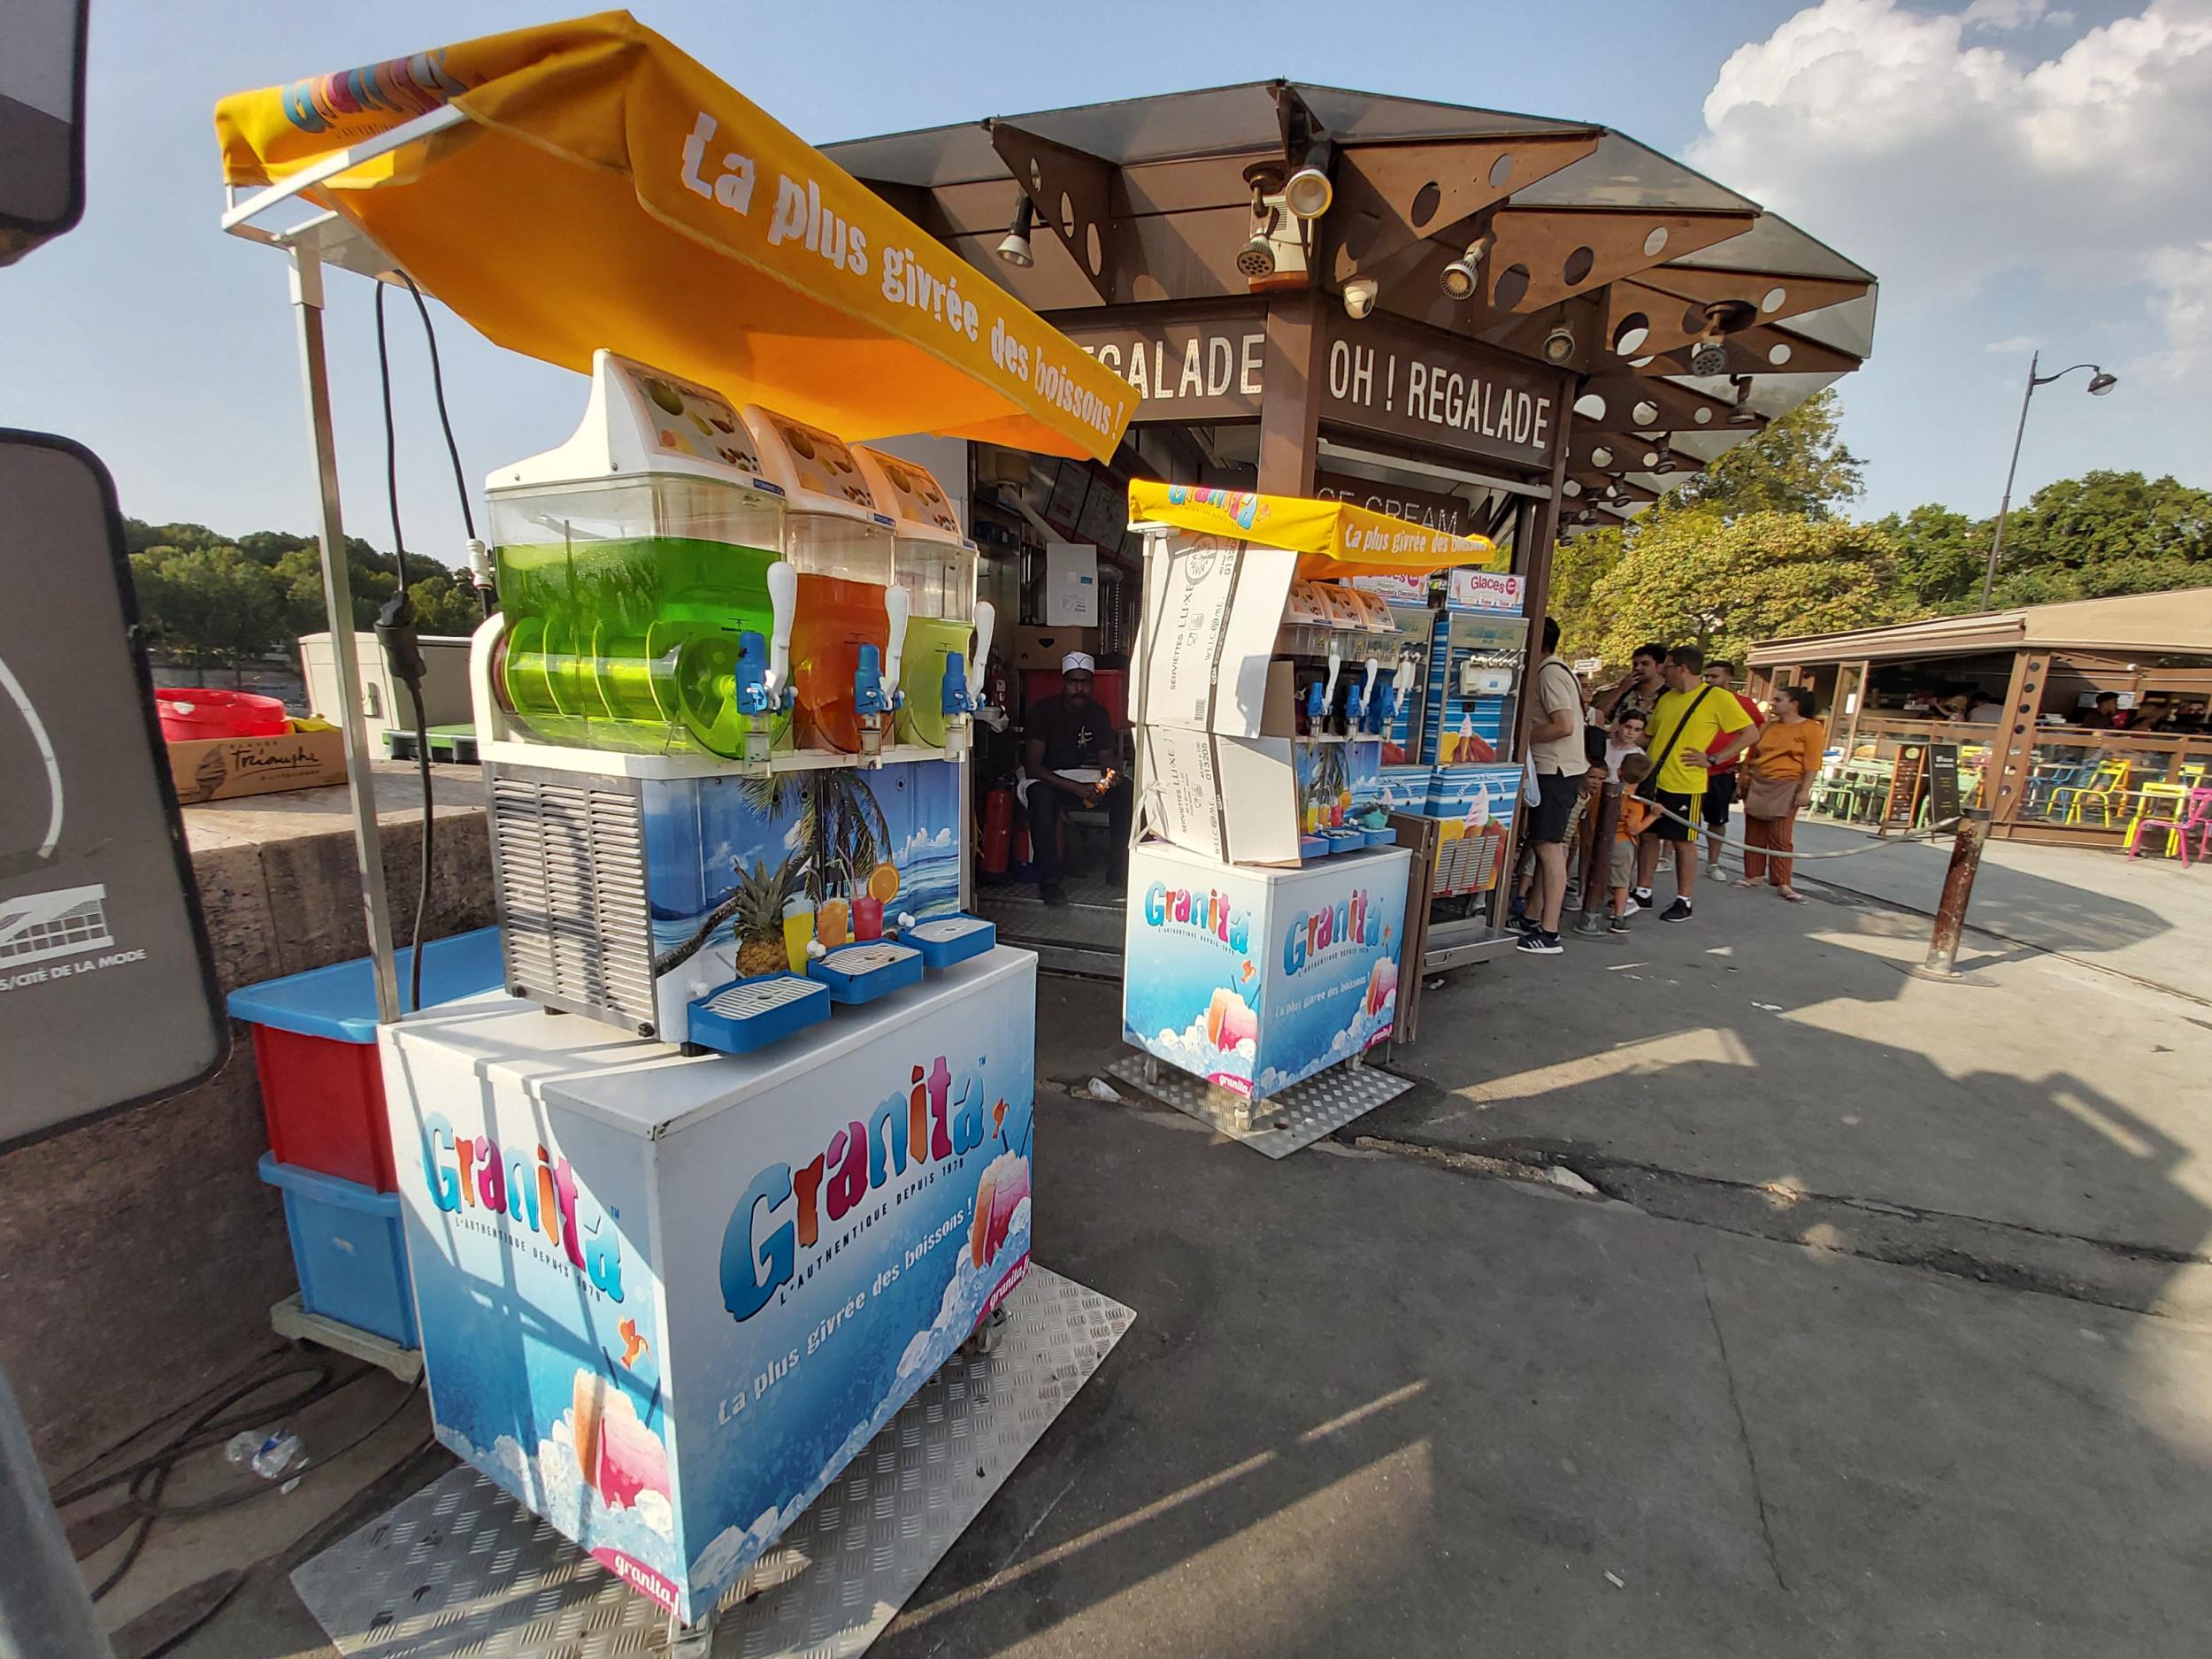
pixel 140 1254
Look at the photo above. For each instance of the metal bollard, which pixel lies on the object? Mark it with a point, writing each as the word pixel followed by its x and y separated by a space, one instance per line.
pixel 1958 889
pixel 1597 887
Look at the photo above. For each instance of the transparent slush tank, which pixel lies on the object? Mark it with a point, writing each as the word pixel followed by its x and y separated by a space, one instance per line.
pixel 844 567
pixel 624 601
pixel 940 581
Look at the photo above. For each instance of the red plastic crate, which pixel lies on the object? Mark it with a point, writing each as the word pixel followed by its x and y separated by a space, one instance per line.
pixel 324 1100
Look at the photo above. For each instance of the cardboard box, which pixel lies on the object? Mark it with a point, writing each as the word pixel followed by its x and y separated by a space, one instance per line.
pixel 1243 800
pixel 1043 648
pixel 224 768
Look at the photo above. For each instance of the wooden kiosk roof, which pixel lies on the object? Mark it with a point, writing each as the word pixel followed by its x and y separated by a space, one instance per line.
pixel 2173 624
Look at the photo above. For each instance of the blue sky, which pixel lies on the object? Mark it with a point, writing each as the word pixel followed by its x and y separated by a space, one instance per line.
pixel 2017 174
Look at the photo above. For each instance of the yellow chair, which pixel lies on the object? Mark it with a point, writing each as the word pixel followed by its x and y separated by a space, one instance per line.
pixel 2174 795
pixel 2106 788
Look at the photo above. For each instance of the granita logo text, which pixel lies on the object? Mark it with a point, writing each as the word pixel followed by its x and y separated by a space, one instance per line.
pixel 1313 935
pixel 782 1211
pixel 538 1193
pixel 1207 912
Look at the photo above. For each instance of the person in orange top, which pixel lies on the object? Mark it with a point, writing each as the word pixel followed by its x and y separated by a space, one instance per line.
pixel 1782 765
pixel 1636 816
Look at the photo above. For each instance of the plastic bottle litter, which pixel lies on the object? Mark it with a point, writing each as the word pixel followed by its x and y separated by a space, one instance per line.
pixel 243 1445
pixel 1101 1089
pixel 277 1454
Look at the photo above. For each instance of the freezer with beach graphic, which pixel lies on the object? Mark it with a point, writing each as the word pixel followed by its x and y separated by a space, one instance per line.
pixel 665 1300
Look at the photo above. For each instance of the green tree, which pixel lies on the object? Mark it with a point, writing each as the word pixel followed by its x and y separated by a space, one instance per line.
pixel 1700 577
pixel 1797 464
pixel 1941 555
pixel 190 606
pixel 210 604
pixel 2105 534
pixel 1577 565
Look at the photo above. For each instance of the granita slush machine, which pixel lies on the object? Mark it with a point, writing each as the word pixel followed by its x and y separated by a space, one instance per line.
pixel 934 564
pixel 699 833
pixel 637 574
pixel 848 628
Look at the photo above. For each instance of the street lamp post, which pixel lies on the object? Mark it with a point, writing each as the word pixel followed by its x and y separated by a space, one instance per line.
pixel 2100 383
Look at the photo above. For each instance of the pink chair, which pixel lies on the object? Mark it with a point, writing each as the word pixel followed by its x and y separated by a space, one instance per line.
pixel 2195 818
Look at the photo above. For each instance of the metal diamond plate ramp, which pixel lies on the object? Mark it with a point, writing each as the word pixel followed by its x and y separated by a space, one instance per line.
pixel 460 1570
pixel 1278 1126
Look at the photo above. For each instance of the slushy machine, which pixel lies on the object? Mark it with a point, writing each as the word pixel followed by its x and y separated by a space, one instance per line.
pixel 712 620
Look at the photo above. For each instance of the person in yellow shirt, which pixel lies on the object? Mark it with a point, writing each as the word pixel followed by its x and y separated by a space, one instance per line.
pixel 1685 730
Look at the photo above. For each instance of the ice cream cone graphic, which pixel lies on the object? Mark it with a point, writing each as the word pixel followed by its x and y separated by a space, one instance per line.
pixel 1230 1019
pixel 618 1456
pixel 1382 985
pixel 1004 1185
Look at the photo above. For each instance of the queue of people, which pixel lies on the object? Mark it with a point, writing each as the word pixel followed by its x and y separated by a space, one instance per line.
pixel 1685 747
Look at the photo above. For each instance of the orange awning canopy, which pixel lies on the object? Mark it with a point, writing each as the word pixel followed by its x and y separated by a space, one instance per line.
pixel 605 189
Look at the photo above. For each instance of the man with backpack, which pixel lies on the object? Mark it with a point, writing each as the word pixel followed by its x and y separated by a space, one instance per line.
pixel 1557 762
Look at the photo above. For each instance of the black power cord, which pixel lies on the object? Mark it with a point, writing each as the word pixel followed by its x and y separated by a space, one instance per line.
pixel 445 424
pixel 403 655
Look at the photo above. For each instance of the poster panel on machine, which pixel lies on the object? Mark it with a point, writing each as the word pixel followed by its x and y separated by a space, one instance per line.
pixel 1255 980
pixel 837 1237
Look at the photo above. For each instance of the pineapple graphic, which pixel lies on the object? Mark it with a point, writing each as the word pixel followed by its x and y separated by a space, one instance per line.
pixel 758 920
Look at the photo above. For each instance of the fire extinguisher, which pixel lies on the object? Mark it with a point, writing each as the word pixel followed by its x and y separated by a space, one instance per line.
pixel 998 821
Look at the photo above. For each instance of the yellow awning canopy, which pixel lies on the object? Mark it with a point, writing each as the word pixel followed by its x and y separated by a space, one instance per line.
pixel 605 189
pixel 1335 538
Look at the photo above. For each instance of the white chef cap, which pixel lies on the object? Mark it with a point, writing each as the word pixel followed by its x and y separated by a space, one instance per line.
pixel 1077 662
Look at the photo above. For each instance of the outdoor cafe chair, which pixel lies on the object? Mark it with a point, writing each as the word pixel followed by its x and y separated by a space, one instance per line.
pixel 2049 779
pixel 2107 787
pixel 2193 817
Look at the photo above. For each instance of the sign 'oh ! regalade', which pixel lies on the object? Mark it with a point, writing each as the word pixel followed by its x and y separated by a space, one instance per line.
pixel 1408 381
pixel 682 226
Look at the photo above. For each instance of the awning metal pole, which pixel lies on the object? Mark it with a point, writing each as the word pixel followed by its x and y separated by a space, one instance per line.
pixel 307 305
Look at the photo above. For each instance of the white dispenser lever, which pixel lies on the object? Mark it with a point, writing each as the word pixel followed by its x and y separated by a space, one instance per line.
pixel 896 603
pixel 783 600
pixel 1336 667
pixel 985 619
pixel 1367 691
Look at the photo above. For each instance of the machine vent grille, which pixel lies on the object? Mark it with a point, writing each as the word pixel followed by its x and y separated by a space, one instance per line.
pixel 572 872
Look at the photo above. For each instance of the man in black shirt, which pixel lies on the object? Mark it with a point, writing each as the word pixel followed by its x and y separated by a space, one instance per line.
pixel 1069 758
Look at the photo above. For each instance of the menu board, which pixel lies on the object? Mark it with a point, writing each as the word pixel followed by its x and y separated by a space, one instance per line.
pixel 1904 786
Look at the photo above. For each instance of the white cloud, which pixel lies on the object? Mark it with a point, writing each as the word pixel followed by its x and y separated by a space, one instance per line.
pixel 2006 15
pixel 2014 346
pixel 1945 163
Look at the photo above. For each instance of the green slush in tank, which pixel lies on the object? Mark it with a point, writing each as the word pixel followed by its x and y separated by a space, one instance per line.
pixel 631 563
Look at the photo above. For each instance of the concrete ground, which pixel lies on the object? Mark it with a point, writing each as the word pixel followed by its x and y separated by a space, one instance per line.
pixel 1853 1361
pixel 2147 916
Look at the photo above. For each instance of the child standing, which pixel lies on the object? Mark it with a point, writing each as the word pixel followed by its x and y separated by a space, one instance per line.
pixel 1636 816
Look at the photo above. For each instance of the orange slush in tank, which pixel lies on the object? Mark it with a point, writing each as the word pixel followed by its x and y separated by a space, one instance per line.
pixel 841 548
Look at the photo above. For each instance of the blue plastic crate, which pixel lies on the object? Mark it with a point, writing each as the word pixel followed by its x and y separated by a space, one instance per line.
pixel 339 1001
pixel 347 1248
